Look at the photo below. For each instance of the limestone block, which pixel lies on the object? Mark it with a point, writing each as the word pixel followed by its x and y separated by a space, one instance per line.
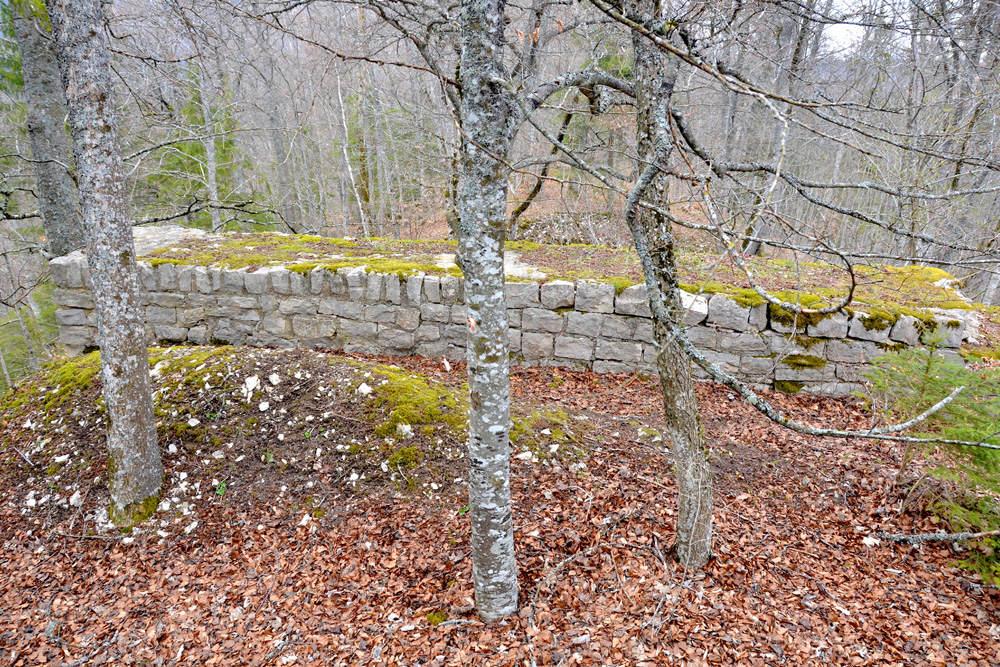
pixel 71 317
pixel 73 298
pixel 392 291
pixel 88 281
pixel 459 314
pixel 649 354
pixel 435 312
pixel 633 301
pixel 188 317
pixel 832 389
pixel 363 332
pixel 379 312
pixel 147 276
pixel 585 324
pixel 536 345
pixel 729 363
pixel 845 351
pixel 558 294
pixel 66 272
pixel 297 307
pixel 456 334
pixel 355 278
pixel 78 336
pixel 514 317
pixel 594 297
pixel 575 347
pixel 857 330
pixel 751 365
pixel 695 308
pixel 522 295
pixel 616 326
pixel 275 323
pixel 782 344
pixel 281 281
pixel 166 299
pixel 310 326
pixel 834 326
pixel 948 331
pixel 906 330
pixel 514 340
pixel 198 335
pixel 172 334
pixel 166 278
pixel 703 338
pixel 202 282
pixel 336 284
pixel 432 350
pixel 851 372
pixel 616 350
pixel 159 315
pixel 238 302
pixel 408 318
pixel 644 331
pixel 602 366
pixel 414 285
pixel 317 280
pixel 432 288
pixel 456 353
pixel 449 290
pixel 724 312
pixel 374 290
pixel 269 302
pixel 826 374
pixel 394 338
pixel 426 332
pixel 185 278
pixel 233 280
pixel 348 309
pixel 758 317
pixel 248 316
pixel 541 319
pixel 745 342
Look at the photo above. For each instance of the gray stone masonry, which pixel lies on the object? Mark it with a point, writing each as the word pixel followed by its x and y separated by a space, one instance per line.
pixel 559 323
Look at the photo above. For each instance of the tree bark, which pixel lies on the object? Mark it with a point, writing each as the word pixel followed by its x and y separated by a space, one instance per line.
pixel 135 473
pixel 46 110
pixel 655 74
pixel 488 123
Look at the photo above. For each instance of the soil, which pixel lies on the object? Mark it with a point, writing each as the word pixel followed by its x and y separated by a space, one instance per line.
pixel 284 539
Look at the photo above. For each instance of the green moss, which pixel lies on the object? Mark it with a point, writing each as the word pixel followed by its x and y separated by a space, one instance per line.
pixel 527 433
pixel 400 267
pixel 437 617
pixel 878 319
pixel 802 361
pixel 409 398
pixel 807 342
pixel 156 261
pixel 892 347
pixel 744 297
pixel 133 513
pixel 405 458
pixel 788 386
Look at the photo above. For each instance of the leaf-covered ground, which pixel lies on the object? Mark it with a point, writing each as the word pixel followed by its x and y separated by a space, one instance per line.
pixel 315 515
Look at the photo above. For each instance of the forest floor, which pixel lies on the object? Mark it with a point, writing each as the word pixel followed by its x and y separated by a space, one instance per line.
pixel 314 514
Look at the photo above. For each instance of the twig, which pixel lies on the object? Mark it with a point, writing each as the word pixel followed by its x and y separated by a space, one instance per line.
pixel 920 538
pixel 91 537
pixel 23 456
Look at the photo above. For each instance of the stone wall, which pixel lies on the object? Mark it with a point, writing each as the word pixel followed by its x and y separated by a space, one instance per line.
pixel 581 325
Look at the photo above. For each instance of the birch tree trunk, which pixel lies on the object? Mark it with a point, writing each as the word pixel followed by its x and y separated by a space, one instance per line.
pixel 655 74
pixel 135 473
pixel 488 123
pixel 43 93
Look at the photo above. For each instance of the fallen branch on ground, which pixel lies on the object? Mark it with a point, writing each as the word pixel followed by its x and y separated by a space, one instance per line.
pixel 920 538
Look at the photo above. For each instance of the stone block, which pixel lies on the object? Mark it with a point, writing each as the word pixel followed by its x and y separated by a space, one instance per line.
pixel 449 290
pixel 758 317
pixel 834 326
pixel 354 278
pixel 616 350
pixel 541 319
pixel 147 276
pixel 522 295
pixel 427 332
pixel 432 288
pixel 169 333
pixel 202 282
pixel 159 315
pixel 536 345
pixel 649 353
pixel 456 334
pixel 584 324
pixel 703 338
pixel 375 289
pixel 238 302
pixel 514 340
pixel 435 312
pixel 298 283
pixel 514 317
pixel 644 331
pixel 188 317
pixel 616 326
pixel 432 349
pixel 594 297
pixel 166 278
pixel 281 281
pixel 408 318
pixel 574 347
pixel 845 351
pixel 88 281
pixel 414 285
pixel 851 372
pixel 297 307
pixel 166 299
pixel 392 289
pixel 906 330
pixel 726 313
pixel 233 280
pixel 73 298
pixel 744 342
pixel 695 308
pixel 633 301
pixel 66 272
pixel 751 365
pixel 248 316
pixel 71 317
pixel 602 366
pixel 949 332
pixel 832 389
pixel 356 332
pixel 858 330
pixel 78 336
pixel 275 323
pixel 269 302
pixel 783 371
pixel 459 314
pixel 185 278
pixel 348 309
pixel 336 284
pixel 379 312
pixel 198 335
pixel 787 344
pixel 396 339
pixel 728 363
pixel 317 280
pixel 558 294
pixel 310 326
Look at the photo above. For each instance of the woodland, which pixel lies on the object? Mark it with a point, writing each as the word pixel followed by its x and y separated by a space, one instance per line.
pixel 223 504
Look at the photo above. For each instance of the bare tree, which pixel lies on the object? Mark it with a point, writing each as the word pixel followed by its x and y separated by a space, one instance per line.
pixel 135 473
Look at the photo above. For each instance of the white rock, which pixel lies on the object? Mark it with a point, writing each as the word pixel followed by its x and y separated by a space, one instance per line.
pixel 305 520
pixel 76 500
pixel 172 449
pixel 524 456
pixel 274 378
pixel 404 430
pixel 62 459
pixel 264 405
pixel 190 529
pixel 193 422
pixel 364 389
pixel 250 384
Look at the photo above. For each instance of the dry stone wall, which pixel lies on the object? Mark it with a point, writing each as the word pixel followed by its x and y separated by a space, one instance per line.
pixel 558 323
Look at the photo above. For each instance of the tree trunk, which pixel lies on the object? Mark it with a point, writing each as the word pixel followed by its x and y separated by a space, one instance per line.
pixel 488 121
pixel 43 93
pixel 655 74
pixel 205 95
pixel 135 473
